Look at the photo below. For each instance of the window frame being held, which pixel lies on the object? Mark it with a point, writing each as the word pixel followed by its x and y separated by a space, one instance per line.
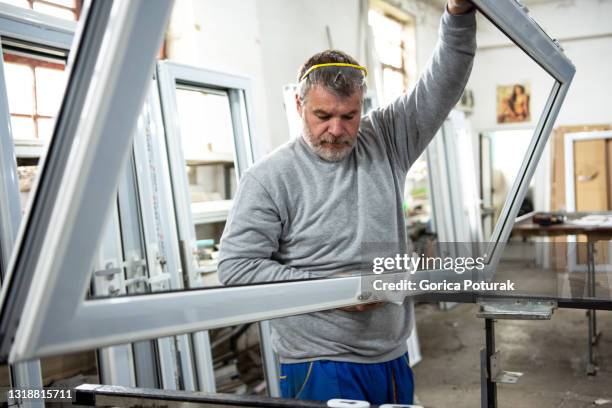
pixel 80 324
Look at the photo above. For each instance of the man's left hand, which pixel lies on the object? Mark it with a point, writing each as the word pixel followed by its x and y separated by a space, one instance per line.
pixel 459 6
pixel 361 308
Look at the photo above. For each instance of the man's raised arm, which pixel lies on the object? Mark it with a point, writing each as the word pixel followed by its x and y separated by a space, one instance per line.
pixel 251 236
pixel 411 121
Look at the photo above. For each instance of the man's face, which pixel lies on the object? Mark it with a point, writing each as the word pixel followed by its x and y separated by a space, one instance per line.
pixel 330 122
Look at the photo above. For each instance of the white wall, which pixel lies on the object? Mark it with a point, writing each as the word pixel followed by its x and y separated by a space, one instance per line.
pixel 223 36
pixel 584 29
pixel 505 65
pixel 268 40
pixel 291 32
pixel 265 40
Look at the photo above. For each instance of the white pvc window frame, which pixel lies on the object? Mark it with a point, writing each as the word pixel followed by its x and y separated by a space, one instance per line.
pixel 59 320
pixel 155 189
pixel 37 32
pixel 172 76
pixel 33 30
pixel 238 89
pixel 109 73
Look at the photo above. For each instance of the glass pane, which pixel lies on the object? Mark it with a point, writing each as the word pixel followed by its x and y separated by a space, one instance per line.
pixel 417 201
pixel 22 127
pixel 387 38
pixel 136 271
pixel 393 84
pixel 26 175
pixel 54 11
pixel 18 3
pixel 389 54
pixel 207 139
pixel 36 87
pixel 65 3
pixel 208 145
pixel 505 110
pixel 385 27
pixel 206 125
pixel 50 84
pixel 45 129
pixel 504 146
pixel 20 87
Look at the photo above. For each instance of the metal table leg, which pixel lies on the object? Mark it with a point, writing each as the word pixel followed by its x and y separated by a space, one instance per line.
pixel 592 290
pixel 591 368
pixel 488 387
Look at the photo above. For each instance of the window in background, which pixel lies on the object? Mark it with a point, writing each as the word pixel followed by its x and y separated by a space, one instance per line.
pixel 35 88
pixel 66 9
pixel 207 141
pixel 395 43
pixel 394 40
pixel 209 138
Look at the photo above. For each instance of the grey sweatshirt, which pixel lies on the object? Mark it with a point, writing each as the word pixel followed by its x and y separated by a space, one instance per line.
pixel 298 216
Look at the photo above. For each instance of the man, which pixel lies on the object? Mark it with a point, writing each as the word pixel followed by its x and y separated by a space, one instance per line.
pixel 306 209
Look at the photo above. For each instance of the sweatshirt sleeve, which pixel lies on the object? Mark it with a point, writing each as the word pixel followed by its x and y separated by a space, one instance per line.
pixel 251 237
pixel 410 122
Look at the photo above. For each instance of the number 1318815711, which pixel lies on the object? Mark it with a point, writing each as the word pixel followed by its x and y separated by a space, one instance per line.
pixel 39 394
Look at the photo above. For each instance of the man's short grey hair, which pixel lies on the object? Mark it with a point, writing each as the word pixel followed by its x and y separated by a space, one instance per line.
pixel 342 81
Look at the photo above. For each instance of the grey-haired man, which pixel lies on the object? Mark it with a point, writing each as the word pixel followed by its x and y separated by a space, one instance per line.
pixel 305 210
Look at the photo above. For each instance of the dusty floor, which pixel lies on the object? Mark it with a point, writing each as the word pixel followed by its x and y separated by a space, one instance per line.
pixel 551 354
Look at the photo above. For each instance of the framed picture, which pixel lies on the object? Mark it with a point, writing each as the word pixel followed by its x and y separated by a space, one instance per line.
pixel 513 103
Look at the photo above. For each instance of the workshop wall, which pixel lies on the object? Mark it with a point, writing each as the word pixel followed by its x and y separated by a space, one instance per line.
pixel 223 36
pixel 266 40
pixel 584 30
pixel 292 31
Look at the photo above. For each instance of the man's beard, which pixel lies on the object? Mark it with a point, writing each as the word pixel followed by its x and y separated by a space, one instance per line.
pixel 329 148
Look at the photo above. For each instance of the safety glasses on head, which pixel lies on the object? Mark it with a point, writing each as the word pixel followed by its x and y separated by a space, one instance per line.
pixel 335 64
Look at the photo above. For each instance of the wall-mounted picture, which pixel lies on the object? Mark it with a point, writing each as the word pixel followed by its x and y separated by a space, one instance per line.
pixel 513 103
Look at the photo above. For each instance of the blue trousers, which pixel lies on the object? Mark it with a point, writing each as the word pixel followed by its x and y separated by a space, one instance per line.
pixel 382 383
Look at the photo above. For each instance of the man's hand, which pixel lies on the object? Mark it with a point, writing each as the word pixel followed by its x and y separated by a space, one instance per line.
pixel 459 6
pixel 361 308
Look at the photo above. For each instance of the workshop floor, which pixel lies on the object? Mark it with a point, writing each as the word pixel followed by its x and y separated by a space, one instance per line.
pixel 551 355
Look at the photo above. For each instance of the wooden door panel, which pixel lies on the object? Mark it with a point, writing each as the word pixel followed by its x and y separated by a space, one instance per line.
pixel 559 249
pixel 591 186
pixel 591 175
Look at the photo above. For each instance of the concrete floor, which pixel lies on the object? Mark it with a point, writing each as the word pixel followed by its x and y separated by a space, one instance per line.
pixel 551 354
